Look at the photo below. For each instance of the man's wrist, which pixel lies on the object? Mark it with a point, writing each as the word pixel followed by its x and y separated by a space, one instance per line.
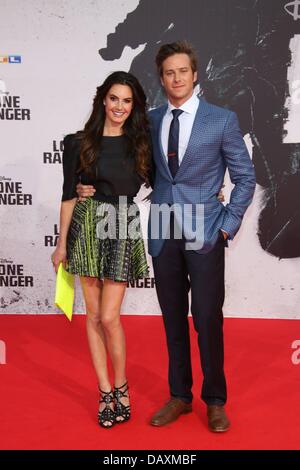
pixel 225 234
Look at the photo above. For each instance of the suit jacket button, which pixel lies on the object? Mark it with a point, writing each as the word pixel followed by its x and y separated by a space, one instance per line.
pixel 173 182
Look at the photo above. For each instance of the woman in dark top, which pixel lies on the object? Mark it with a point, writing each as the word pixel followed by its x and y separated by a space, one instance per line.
pixel 100 239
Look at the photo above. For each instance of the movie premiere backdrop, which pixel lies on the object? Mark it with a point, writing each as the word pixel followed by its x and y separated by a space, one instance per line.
pixel 53 55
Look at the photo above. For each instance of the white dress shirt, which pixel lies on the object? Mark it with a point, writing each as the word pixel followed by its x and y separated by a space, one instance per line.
pixel 186 121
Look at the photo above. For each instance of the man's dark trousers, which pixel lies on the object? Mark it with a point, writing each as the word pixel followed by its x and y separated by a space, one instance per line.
pixel 176 271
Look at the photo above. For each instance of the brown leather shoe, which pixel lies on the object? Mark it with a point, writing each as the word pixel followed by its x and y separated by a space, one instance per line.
pixel 217 419
pixel 170 412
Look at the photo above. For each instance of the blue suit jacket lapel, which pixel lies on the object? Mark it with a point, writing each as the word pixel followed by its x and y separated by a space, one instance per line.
pixel 198 132
pixel 162 156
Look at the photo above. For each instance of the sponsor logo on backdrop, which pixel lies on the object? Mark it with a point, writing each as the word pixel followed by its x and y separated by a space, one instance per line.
pixel 293 9
pixel 11 193
pixel 55 155
pixel 51 240
pixel 10 59
pixel 11 109
pixel 13 275
pixel 147 283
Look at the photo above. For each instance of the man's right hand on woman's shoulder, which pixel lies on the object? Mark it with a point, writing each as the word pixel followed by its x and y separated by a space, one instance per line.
pixel 84 191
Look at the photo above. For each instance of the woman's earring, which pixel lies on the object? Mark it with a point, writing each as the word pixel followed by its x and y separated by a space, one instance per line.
pixel 104 103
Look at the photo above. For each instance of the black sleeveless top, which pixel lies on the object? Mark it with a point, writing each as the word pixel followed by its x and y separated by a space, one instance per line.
pixel 113 174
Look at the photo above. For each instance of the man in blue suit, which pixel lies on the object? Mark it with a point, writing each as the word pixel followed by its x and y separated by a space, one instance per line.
pixel 193 144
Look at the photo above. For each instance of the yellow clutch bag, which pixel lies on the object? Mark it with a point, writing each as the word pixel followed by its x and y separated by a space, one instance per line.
pixel 64 292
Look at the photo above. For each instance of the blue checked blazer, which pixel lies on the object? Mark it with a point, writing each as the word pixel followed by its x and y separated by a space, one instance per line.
pixel 216 143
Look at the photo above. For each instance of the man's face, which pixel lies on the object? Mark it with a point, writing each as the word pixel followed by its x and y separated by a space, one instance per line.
pixel 178 78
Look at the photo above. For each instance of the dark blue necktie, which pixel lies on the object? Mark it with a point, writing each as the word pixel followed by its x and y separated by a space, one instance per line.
pixel 173 160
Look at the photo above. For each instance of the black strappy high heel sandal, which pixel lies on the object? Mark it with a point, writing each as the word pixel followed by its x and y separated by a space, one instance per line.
pixel 107 415
pixel 121 410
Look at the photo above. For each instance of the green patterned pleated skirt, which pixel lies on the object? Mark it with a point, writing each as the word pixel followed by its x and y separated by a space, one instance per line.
pixel 105 241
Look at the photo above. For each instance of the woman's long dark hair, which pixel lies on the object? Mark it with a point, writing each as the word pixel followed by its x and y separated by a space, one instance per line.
pixel 135 126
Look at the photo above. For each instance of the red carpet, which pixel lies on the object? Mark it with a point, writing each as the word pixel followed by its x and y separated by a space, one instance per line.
pixel 48 397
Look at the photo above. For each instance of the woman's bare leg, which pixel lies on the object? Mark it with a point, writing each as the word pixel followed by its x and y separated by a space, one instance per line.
pixel 92 291
pixel 111 301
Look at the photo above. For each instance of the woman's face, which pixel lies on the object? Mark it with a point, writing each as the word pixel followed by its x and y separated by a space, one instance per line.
pixel 118 105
